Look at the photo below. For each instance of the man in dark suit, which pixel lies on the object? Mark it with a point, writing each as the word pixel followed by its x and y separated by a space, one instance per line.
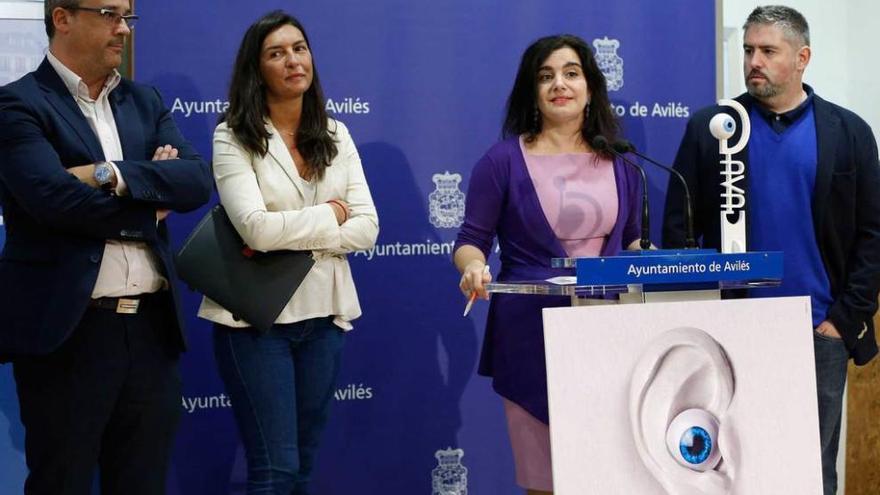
pixel 90 166
pixel 811 189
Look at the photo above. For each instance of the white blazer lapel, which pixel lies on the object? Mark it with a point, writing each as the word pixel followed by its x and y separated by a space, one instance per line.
pixel 278 150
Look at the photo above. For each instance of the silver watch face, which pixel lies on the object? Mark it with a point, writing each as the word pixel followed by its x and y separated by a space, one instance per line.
pixel 103 173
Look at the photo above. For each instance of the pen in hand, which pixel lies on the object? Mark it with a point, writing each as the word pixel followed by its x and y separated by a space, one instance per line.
pixel 473 296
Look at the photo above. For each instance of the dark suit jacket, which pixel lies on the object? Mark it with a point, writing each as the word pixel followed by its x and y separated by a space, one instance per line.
pixel 56 226
pixel 845 210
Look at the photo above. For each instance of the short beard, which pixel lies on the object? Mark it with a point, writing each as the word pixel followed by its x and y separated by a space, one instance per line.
pixel 768 90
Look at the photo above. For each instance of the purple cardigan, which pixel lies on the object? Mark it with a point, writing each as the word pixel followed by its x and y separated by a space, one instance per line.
pixel 502 201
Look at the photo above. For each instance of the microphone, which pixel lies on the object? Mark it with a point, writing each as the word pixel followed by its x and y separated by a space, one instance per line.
pixel 600 143
pixel 624 146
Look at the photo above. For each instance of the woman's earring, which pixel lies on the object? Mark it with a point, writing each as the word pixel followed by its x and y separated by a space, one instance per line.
pixel 587 111
pixel 536 123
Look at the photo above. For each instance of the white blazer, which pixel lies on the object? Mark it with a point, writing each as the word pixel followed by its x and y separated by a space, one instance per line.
pixel 273 208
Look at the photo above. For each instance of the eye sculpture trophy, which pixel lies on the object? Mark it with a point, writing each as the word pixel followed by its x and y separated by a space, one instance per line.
pixel 733 199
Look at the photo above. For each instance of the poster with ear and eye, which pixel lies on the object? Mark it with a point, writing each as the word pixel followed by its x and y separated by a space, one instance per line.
pixel 684 398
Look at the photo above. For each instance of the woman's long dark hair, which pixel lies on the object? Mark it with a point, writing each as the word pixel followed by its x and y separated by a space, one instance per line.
pixel 524 118
pixel 248 109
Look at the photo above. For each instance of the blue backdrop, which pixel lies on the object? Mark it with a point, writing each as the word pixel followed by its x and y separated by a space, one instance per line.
pixel 421 85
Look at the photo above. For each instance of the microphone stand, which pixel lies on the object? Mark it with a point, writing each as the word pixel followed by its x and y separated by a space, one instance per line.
pixel 690 242
pixel 600 143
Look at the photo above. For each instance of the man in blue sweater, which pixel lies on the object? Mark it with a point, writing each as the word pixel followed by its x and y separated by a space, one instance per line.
pixel 811 188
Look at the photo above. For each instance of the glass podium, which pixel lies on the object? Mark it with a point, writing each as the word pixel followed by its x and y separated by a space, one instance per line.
pixel 657 275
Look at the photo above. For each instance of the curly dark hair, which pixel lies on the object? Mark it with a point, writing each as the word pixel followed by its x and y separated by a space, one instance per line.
pixel 523 116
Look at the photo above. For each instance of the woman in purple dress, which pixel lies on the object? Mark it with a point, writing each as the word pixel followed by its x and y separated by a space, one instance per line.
pixel 545 193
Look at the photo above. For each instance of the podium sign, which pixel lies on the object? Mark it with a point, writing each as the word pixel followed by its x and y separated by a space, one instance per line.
pixel 708 397
pixel 679 267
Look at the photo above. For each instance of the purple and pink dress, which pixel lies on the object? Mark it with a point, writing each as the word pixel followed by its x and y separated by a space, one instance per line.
pixel 539 207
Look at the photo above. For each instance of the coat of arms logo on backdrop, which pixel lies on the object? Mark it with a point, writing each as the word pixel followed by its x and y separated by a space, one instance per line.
pixel 446 201
pixel 609 62
pixel 450 476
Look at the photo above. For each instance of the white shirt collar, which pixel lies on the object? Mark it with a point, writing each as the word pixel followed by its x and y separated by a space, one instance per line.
pixel 75 84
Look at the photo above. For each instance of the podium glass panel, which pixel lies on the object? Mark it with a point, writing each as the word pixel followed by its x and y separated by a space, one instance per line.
pixel 656 271
pixel 545 288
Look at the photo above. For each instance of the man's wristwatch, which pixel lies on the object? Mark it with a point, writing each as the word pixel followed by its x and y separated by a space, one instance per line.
pixel 105 176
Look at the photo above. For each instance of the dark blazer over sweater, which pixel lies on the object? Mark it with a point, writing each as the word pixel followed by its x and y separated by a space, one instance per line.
pixel 845 210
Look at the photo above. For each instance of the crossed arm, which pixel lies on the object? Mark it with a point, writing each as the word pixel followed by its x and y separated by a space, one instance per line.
pixel 36 178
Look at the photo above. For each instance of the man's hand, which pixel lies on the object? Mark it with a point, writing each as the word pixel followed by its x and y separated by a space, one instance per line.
pixel 85 174
pixel 166 152
pixel 828 329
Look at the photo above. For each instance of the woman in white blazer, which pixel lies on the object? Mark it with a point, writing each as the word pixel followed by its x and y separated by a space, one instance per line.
pixel 289 177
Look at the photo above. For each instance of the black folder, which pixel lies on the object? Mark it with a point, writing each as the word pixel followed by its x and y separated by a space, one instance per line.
pixel 253 286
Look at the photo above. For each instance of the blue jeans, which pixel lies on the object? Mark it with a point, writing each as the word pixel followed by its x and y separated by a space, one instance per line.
pixel 280 384
pixel 831 363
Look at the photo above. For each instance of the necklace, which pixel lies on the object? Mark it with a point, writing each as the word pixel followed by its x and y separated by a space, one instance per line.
pixel 284 131
pixel 292 136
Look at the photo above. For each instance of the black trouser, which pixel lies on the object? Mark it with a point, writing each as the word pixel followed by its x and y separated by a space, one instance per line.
pixel 109 396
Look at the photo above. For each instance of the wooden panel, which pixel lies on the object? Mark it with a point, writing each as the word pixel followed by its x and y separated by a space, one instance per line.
pixel 863 428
